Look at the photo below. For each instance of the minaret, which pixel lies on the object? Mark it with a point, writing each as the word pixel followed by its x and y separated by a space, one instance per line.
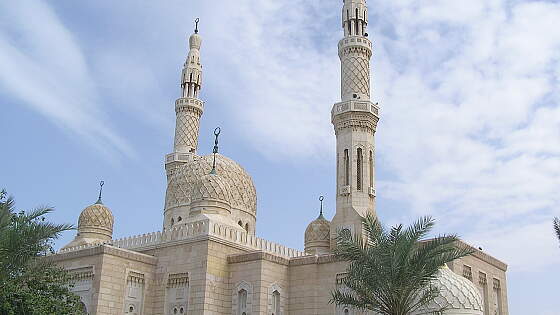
pixel 188 108
pixel 355 121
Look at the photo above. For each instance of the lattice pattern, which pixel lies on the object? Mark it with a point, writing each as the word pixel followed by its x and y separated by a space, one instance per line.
pixel 96 215
pixel 242 191
pixel 318 230
pixel 211 187
pixel 186 132
pixel 456 293
pixel 355 75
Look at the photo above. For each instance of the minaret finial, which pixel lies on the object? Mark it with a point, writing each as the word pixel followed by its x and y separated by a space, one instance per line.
pixel 215 150
pixel 321 198
pixel 100 192
pixel 196 25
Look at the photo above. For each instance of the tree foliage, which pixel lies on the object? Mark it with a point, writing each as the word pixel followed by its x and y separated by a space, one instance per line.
pixel 30 284
pixel 390 271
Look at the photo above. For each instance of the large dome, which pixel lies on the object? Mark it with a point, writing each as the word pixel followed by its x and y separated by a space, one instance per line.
pixel 181 185
pixel 211 187
pixel 458 295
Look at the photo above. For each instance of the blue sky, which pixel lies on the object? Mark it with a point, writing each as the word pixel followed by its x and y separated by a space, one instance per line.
pixel 469 92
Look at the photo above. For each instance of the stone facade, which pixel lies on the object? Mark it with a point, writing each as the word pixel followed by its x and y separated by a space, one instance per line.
pixel 208 260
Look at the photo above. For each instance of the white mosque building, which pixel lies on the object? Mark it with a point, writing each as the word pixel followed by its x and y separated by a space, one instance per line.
pixel 208 260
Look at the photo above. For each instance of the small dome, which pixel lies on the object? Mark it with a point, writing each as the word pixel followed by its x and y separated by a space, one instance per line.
pixel 211 187
pixel 96 219
pixel 458 295
pixel 195 41
pixel 317 236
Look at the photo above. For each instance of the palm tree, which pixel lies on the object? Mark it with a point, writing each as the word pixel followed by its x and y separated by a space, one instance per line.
pixel 557 227
pixel 30 284
pixel 390 271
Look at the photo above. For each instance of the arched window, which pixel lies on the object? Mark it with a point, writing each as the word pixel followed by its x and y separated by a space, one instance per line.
pixel 242 301
pixel 172 221
pixel 348 21
pixel 247 227
pixel 357 23
pixel 370 168
pixel 240 223
pixel 276 303
pixel 346 168
pixel 179 219
pixel 83 308
pixel 359 169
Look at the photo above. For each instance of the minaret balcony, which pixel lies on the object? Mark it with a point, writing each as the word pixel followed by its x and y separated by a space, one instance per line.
pixel 189 102
pixel 345 190
pixel 177 157
pixel 355 106
pixel 355 41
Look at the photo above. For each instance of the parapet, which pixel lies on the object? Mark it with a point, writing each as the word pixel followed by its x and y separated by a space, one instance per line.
pixel 196 231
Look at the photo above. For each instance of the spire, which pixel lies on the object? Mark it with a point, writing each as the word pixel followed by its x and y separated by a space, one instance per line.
pixel 189 107
pixel 215 150
pixel 355 120
pixel 321 198
pixel 100 192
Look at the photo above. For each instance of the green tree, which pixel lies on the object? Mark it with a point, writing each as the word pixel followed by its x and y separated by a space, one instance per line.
pixel 557 227
pixel 29 283
pixel 390 271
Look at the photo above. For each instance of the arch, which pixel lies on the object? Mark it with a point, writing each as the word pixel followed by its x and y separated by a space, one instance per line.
pixel 370 168
pixel 359 168
pixel 242 298
pixel 275 300
pixel 83 308
pixel 275 303
pixel 346 168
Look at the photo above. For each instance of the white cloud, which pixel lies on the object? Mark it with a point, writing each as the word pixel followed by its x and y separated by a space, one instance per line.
pixel 44 68
pixel 470 127
pixel 469 94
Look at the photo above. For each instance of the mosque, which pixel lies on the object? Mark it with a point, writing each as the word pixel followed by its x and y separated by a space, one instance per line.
pixel 208 259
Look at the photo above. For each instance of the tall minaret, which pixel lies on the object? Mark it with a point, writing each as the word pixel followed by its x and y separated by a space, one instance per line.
pixel 188 108
pixel 355 121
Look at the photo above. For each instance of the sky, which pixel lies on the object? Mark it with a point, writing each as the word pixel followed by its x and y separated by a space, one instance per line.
pixel 469 133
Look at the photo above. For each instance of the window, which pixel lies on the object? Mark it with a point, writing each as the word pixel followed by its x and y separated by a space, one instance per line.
pixel 172 221
pixel 359 169
pixel 276 303
pixel 179 219
pixel 467 272
pixel 247 227
pixel 242 301
pixel 357 23
pixel 370 168
pixel 240 223
pixel 346 168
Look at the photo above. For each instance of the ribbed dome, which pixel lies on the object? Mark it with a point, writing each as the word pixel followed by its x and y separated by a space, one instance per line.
pixel 317 236
pixel 211 187
pixel 98 219
pixel 243 195
pixel 458 295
